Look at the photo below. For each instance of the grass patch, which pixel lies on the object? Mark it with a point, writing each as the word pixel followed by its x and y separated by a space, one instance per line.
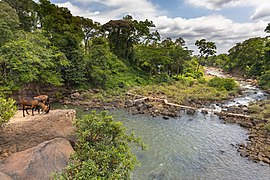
pixel 260 110
pixel 181 92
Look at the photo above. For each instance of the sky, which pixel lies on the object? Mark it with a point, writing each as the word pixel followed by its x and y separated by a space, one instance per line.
pixel 225 22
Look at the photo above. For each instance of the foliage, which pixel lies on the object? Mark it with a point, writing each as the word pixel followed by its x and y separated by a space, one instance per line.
pixel 9 21
pixel 206 49
pixel 228 84
pixel 26 10
pixel 101 150
pixel 218 61
pixel 162 78
pixel 30 58
pixel 182 91
pixel 264 80
pixel 260 110
pixel 248 56
pixel 124 33
pixel 91 30
pixel 7 110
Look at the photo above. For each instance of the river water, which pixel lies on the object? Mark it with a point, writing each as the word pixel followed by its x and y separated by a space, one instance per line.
pixel 193 146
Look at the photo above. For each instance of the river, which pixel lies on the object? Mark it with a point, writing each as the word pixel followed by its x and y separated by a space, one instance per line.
pixel 194 146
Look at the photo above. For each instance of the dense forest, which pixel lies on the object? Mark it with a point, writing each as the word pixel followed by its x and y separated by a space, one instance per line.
pixel 43 44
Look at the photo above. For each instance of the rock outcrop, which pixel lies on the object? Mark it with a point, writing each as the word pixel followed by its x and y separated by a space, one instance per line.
pixel 39 162
pixel 22 133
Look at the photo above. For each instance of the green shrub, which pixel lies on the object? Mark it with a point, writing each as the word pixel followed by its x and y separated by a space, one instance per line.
pixel 254 109
pixel 264 80
pixel 102 149
pixel 7 110
pixel 267 126
pixel 162 78
pixel 228 84
pixel 195 75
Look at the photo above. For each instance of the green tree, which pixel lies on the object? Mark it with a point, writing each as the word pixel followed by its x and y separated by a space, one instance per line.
pixel 206 49
pixel 179 56
pixel 30 58
pixel 265 80
pixel 90 30
pixel 65 32
pixel 9 21
pixel 102 149
pixel 7 110
pixel 102 65
pixel 26 10
pixel 248 56
pixel 152 59
pixel 124 34
pixel 60 27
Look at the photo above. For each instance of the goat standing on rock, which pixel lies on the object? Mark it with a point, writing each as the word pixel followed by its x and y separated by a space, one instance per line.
pixel 34 103
pixel 44 99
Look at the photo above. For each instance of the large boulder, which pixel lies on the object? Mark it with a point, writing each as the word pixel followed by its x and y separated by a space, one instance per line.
pixel 39 162
pixel 22 133
pixel 4 176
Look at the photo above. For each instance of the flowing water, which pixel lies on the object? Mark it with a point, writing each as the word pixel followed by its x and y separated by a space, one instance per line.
pixel 193 146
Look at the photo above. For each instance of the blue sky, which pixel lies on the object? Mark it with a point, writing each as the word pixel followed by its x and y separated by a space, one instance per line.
pixel 225 22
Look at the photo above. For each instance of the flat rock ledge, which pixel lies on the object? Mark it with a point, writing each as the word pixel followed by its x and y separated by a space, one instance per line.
pixel 22 133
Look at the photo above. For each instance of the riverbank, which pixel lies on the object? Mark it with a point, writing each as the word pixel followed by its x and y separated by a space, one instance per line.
pixel 257 147
pixel 149 99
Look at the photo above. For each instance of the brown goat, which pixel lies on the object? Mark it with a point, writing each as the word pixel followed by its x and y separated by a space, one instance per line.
pixel 34 103
pixel 44 99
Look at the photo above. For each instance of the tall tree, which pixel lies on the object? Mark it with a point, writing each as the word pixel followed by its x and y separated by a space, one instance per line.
pixel 26 10
pixel 90 30
pixel 9 21
pixel 65 32
pixel 205 49
pixel 123 34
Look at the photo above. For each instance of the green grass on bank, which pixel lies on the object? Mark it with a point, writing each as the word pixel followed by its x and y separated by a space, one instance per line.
pixel 261 111
pixel 183 91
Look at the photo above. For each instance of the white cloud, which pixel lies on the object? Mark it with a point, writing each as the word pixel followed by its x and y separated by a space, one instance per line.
pixel 262 12
pixel 261 7
pixel 216 28
pixel 212 4
pixel 76 10
pixel 116 9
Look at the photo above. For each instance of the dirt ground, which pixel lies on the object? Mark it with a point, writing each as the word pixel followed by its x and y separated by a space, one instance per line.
pixel 18 117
